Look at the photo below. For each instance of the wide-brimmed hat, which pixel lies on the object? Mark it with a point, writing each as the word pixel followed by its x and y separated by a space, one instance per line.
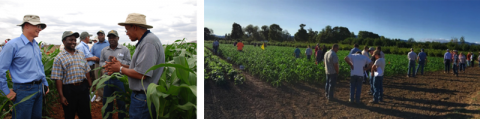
pixel 136 19
pixel 34 20
pixel 69 33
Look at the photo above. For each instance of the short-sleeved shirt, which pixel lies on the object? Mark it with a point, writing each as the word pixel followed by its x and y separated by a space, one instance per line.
pixel 447 56
pixel 149 52
pixel 330 59
pixel 412 56
pixel 297 53
pixel 365 53
pixel 70 68
pixel 468 57
pixel 359 61
pixel 455 59
pixel 98 47
pixel 85 49
pixel 354 50
pixel 308 51
pixel 122 54
pixel 239 46
pixel 463 59
pixel 380 63
pixel 422 56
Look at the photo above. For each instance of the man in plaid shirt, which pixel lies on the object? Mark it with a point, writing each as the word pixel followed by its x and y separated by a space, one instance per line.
pixel 71 72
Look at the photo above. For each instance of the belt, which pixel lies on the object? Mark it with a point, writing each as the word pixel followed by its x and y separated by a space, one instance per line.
pixel 34 82
pixel 76 84
pixel 139 92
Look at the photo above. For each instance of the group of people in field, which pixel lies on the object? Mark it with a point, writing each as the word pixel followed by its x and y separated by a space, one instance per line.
pixel 72 69
pixel 364 64
pixel 459 61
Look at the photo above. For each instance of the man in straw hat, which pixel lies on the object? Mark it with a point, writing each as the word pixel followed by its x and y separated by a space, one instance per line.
pixel 149 52
pixel 23 58
pixel 71 72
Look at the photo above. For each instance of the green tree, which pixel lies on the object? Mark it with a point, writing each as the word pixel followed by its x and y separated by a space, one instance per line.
pixel 275 33
pixel 264 32
pixel 236 31
pixel 301 35
pixel 411 40
pixel 208 34
pixel 462 40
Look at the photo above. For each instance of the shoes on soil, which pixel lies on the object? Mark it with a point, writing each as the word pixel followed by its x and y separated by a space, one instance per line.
pixel 373 101
pixel 98 99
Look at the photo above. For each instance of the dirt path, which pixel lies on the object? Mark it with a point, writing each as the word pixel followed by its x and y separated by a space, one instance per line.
pixel 434 95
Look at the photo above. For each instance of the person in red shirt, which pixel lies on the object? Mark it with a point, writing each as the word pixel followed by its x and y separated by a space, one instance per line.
pixel 239 46
pixel 468 58
pixel 316 49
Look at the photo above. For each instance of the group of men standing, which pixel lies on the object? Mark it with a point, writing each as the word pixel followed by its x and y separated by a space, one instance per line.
pixel 413 58
pixel 72 69
pixel 458 61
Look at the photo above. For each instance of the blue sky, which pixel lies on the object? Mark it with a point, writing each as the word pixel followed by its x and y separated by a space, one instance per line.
pixel 418 19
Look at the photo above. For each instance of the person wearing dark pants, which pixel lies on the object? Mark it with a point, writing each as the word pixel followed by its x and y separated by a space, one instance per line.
pixel 331 70
pixel 377 71
pixel 215 47
pixel 122 54
pixel 456 63
pixel 421 59
pixel 462 59
pixel 149 52
pixel 472 59
pixel 71 72
pixel 447 58
pixel 357 61
pixel 411 63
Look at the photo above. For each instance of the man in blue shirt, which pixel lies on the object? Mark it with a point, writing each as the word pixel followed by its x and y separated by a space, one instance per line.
pixel 97 51
pixel 23 58
pixel 354 50
pixel 215 47
pixel 447 60
pixel 422 60
pixel 297 52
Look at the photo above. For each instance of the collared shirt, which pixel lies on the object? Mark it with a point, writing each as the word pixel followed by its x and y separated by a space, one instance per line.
pixel 149 52
pixel 24 60
pixel 330 58
pixel 98 47
pixel 422 56
pixel 359 61
pixel 86 51
pixel 447 56
pixel 354 50
pixel 308 51
pixel 412 55
pixel 122 54
pixel 215 43
pixel 70 68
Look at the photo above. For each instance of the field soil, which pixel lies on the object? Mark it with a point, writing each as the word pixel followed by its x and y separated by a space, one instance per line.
pixel 432 95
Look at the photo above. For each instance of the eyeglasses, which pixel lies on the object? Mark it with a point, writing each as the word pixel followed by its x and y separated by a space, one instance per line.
pixel 39 26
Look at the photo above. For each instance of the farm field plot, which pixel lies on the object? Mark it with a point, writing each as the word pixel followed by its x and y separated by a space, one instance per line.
pixel 433 95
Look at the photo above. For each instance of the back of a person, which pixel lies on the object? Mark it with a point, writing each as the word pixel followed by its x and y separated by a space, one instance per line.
pixel 359 61
pixel 308 51
pixel 412 55
pixel 365 53
pixel 422 56
pixel 139 54
pixel 329 59
pixel 319 55
pixel 297 53
pixel 239 46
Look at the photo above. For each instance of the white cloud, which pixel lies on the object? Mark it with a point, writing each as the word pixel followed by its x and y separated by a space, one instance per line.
pixel 171 20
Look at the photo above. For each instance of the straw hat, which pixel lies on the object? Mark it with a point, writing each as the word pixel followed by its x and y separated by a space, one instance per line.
pixel 34 20
pixel 136 19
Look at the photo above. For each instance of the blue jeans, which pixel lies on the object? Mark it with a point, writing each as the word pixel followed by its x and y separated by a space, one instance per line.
pixel 422 65
pixel 411 68
pixel 468 63
pixel 139 108
pixel 330 85
pixel 108 92
pixel 378 87
pixel 309 56
pixel 215 50
pixel 447 65
pixel 371 84
pixel 355 88
pixel 462 67
pixel 32 108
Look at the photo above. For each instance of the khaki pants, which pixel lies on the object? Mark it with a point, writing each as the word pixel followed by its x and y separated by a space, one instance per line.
pixel 95 76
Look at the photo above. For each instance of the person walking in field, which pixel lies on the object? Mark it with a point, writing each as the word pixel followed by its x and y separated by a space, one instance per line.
pixel 469 54
pixel 317 47
pixel 23 58
pixel 354 49
pixel 456 63
pixel 357 63
pixel 318 56
pixel 296 53
pixel 447 58
pixel 377 70
pixel 411 63
pixel 472 59
pixel 463 59
pixel 240 46
pixel 331 70
pixel 215 47
pixel 308 52
pixel 422 60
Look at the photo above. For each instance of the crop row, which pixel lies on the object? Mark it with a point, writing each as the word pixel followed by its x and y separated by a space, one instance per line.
pixel 219 70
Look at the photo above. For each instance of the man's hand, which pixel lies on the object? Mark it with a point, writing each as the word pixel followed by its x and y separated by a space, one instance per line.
pixel 11 95
pixel 63 100
pixel 48 90
pixel 113 66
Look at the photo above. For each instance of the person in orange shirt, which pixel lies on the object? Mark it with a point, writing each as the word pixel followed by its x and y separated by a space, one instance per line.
pixel 239 46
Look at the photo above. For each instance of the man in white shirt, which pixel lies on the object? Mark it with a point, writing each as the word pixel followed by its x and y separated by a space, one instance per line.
pixel 412 56
pixel 378 69
pixel 366 53
pixel 357 63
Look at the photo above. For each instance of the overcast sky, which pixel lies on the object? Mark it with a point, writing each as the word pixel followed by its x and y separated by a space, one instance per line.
pixel 171 20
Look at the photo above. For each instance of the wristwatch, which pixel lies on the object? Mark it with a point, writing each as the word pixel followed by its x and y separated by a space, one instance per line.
pixel 121 69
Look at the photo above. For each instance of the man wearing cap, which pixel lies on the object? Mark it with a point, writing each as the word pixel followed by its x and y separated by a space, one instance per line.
pixel 149 52
pixel 422 60
pixel 71 72
pixel 23 58
pixel 411 63
pixel 446 60
pixel 96 51
pixel 122 54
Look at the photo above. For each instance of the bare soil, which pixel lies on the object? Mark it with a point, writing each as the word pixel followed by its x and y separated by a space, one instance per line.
pixel 433 95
